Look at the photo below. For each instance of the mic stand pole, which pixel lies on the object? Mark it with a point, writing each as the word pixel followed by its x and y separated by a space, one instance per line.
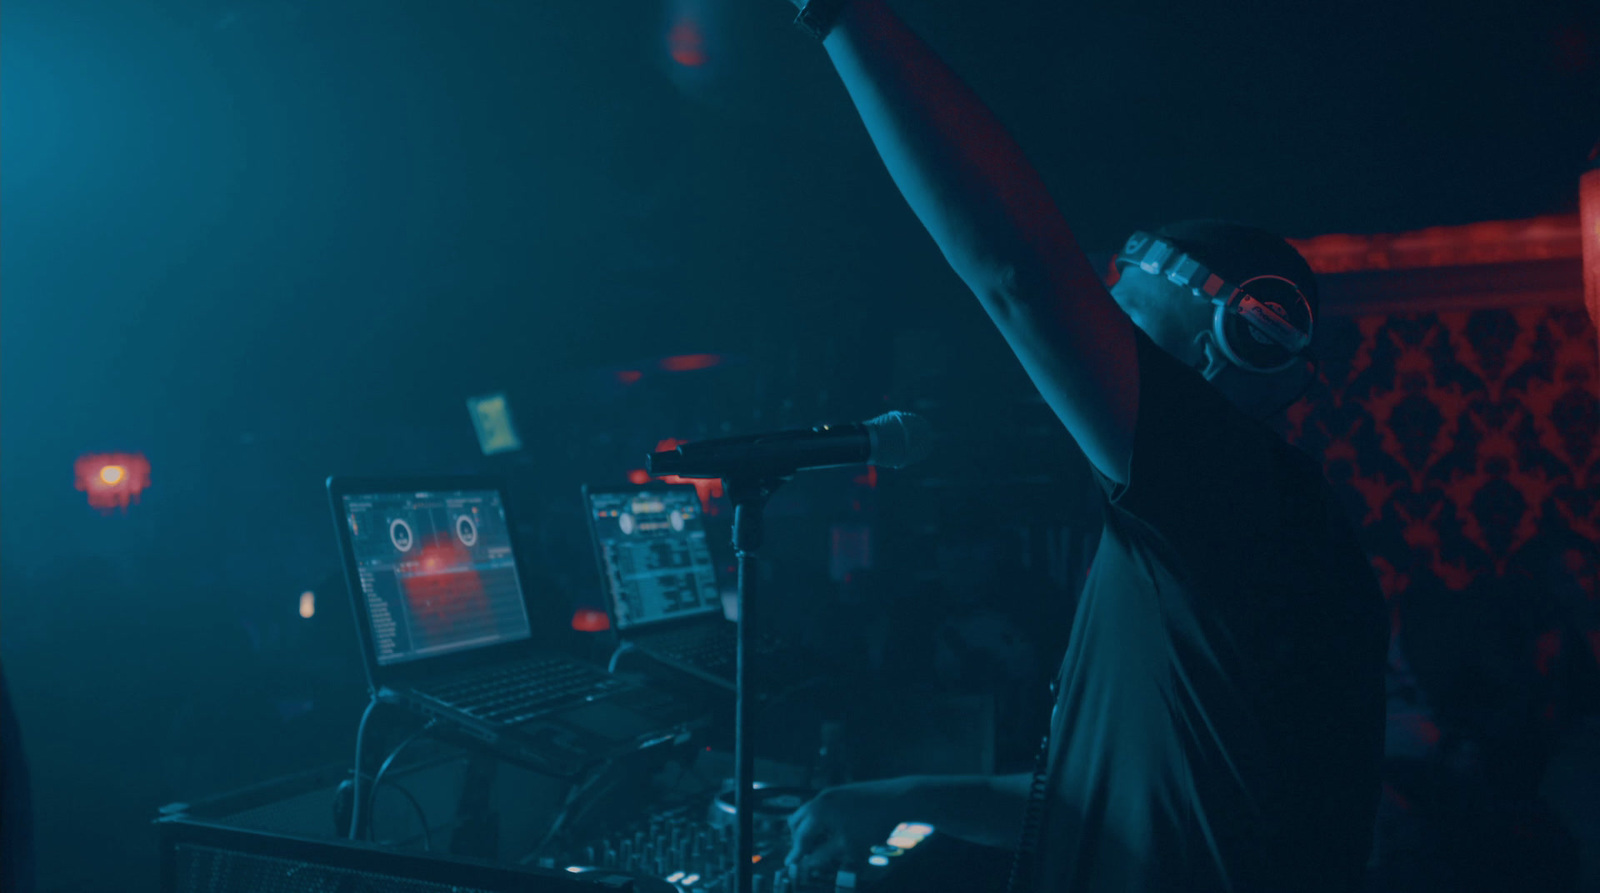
pixel 749 496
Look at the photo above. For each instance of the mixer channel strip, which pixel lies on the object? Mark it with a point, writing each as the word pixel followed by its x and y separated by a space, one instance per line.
pixel 695 855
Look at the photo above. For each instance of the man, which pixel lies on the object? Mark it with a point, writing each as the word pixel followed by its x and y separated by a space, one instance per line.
pixel 1219 717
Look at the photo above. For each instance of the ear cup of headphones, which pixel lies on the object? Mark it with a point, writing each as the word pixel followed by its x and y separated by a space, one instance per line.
pixel 1252 326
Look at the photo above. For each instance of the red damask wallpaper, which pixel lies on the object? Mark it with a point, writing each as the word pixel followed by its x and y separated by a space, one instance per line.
pixel 1462 441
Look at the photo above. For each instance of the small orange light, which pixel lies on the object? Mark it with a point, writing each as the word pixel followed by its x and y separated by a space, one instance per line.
pixel 112 480
pixel 308 604
pixel 638 476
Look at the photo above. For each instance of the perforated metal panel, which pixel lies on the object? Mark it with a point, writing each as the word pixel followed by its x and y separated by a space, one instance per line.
pixel 202 869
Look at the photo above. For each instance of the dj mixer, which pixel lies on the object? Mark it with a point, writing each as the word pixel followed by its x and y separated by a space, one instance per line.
pixel 690 849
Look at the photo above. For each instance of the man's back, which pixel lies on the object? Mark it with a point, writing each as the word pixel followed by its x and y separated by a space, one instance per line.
pixel 1220 718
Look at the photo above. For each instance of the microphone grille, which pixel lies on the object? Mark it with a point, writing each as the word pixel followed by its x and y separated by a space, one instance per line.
pixel 899 439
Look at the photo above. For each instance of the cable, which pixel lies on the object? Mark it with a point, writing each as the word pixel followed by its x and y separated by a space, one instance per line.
pixel 573 794
pixel 383 769
pixel 422 817
pixel 622 648
pixel 1022 859
pixel 355 789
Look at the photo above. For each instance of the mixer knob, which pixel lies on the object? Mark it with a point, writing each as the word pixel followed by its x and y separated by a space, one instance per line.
pixel 609 859
pixel 626 855
pixel 758 883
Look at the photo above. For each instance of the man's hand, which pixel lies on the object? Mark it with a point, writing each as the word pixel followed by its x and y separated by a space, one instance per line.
pixel 840 824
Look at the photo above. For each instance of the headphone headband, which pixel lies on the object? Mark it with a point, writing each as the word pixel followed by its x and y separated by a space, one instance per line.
pixel 1263 324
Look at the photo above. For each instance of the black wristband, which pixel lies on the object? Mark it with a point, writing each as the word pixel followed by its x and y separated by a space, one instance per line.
pixel 818 17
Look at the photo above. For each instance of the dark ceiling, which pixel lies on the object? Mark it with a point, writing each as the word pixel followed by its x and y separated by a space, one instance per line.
pixel 306 214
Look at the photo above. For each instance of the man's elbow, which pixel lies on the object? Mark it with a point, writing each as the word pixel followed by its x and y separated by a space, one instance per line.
pixel 1015 295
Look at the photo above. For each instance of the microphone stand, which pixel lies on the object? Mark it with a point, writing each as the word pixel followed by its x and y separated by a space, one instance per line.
pixel 749 496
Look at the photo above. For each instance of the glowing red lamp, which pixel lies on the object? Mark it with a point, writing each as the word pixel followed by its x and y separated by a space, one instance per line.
pixel 112 480
pixel 1589 222
pixel 687 43
pixel 589 620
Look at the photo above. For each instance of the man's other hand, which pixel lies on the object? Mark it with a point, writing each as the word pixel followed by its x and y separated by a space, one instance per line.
pixel 840 825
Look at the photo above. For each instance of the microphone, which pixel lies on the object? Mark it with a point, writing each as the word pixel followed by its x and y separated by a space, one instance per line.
pixel 894 440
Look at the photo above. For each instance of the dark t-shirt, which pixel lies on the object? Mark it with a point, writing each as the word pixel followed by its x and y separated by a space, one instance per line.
pixel 1219 722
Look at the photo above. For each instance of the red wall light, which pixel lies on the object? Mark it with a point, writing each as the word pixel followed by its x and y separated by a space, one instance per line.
pixel 112 480
pixel 588 620
pixel 1589 221
pixel 686 42
pixel 689 362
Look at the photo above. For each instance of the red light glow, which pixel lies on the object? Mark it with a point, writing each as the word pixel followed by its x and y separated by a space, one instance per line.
pixel 443 590
pixel 1548 237
pixel 687 44
pixel 629 376
pixel 690 362
pixel 706 488
pixel 1589 227
pixel 112 480
pixel 638 476
pixel 588 620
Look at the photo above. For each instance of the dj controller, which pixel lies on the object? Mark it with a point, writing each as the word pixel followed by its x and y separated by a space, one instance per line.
pixel 693 848
pixel 690 848
pixel 663 822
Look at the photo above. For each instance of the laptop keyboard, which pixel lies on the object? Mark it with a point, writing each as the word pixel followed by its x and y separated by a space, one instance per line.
pixel 715 652
pixel 521 691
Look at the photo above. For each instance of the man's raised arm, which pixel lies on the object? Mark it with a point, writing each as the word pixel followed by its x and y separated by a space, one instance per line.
pixel 987 209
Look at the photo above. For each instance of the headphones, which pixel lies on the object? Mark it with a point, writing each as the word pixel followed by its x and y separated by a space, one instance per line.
pixel 1263 324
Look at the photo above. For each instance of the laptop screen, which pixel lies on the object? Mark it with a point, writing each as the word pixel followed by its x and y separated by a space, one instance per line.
pixel 653 555
pixel 436 572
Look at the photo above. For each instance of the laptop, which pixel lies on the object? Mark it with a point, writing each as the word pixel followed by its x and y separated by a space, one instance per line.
pixel 448 630
pixel 662 593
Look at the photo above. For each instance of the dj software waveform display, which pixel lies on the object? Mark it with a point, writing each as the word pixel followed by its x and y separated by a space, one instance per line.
pixel 653 549
pixel 437 572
